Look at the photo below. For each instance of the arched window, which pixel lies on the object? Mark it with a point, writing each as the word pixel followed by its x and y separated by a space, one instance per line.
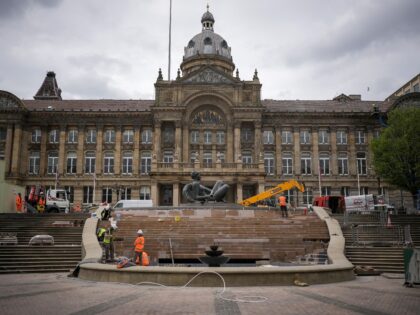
pixel 207 41
pixel 109 163
pixel 191 44
pixel 71 162
pixel 224 44
pixel 90 159
pixel 52 162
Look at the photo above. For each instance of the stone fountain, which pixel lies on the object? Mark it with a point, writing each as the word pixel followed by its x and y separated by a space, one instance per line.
pixel 214 257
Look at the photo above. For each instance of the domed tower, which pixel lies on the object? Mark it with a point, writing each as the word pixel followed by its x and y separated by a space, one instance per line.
pixel 207 48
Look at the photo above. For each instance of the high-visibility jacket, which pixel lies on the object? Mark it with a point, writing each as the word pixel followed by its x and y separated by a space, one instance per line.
pixel 18 203
pixel 139 244
pixel 101 233
pixel 41 201
pixel 282 201
pixel 107 238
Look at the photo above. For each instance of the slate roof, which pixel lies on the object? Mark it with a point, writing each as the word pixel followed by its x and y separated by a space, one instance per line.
pixel 324 106
pixel 89 105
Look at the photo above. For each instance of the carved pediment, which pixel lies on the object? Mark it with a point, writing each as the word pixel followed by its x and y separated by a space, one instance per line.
pixel 208 76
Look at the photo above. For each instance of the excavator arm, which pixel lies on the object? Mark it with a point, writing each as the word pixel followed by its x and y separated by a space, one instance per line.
pixel 273 191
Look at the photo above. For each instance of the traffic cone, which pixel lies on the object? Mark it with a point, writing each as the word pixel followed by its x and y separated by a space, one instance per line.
pixel 389 224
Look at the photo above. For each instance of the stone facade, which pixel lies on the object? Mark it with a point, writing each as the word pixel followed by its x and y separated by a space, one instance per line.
pixel 207 119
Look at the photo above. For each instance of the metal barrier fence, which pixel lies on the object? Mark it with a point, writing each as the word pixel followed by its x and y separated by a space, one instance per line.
pixel 364 217
pixel 379 235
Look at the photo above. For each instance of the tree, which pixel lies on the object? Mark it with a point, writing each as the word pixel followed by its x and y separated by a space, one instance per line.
pixel 397 150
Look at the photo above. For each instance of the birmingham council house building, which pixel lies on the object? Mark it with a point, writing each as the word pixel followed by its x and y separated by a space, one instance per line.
pixel 208 119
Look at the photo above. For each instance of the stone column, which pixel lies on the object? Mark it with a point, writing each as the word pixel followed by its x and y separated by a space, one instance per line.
pixel 26 137
pixel 154 193
pixel 229 144
pixel 185 144
pixel 117 157
pixel 315 152
pixel 239 194
pixel 178 140
pixel 237 140
pixel 80 150
pixel 157 140
pixel 296 153
pixel 278 151
pixel 44 158
pixel 99 145
pixel 136 153
pixel 257 140
pixel 175 194
pixel 334 155
pixel 62 150
pixel 369 153
pixel 8 153
pixel 16 149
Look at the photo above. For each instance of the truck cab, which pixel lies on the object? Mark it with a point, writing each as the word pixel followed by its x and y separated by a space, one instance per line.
pixel 57 201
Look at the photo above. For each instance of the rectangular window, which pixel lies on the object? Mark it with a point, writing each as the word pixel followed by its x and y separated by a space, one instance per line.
pixel 91 136
pixel 324 164
pixel 326 191
pixel 144 193
pixel 146 136
pixel 345 191
pixel 52 162
pixel 168 157
pixel 246 135
pixel 269 163
pixel 34 162
pixel 146 163
pixel 71 163
pixel 109 136
pixel 107 195
pixel 207 159
pixel 72 136
pixel 360 137
pixel 126 193
pixel 207 137
pixel 3 134
pixel 128 136
pixel 361 163
pixel 305 137
pixel 90 160
pixel 287 163
pixel 268 137
pixel 305 164
pixel 109 163
pixel 87 194
pixel 286 137
pixel 323 137
pixel 220 137
pixel 307 197
pixel 341 137
pixel 54 136
pixel 195 136
pixel 36 135
pixel 70 193
pixel 246 157
pixel 343 164
pixel 127 163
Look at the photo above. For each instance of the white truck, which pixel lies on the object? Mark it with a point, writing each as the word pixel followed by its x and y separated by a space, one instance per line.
pixel 360 203
pixel 56 201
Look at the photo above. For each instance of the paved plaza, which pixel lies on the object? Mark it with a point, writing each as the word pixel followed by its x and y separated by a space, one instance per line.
pixel 57 294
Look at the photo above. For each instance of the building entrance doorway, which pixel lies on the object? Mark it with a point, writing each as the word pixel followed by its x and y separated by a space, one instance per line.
pixel 166 195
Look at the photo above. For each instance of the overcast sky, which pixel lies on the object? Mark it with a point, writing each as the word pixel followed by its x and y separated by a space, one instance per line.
pixel 303 49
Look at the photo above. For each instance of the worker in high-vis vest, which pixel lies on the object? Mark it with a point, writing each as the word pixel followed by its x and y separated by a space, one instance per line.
pixel 108 245
pixel 19 202
pixel 41 204
pixel 283 206
pixel 101 234
pixel 139 248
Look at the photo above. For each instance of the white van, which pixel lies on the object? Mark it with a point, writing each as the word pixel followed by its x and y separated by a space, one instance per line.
pixel 132 204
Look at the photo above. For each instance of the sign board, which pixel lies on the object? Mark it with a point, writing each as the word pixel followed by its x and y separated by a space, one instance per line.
pixel 359 203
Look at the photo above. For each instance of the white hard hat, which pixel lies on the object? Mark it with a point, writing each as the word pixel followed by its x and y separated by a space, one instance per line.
pixel 140 232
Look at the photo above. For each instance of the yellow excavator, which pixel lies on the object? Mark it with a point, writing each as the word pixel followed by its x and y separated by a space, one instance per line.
pixel 272 192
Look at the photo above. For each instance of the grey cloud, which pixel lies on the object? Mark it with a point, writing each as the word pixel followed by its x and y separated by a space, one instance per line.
pixel 16 8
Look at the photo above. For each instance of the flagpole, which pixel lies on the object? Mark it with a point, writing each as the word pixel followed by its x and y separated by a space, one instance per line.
pixel 170 35
pixel 94 188
pixel 319 178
